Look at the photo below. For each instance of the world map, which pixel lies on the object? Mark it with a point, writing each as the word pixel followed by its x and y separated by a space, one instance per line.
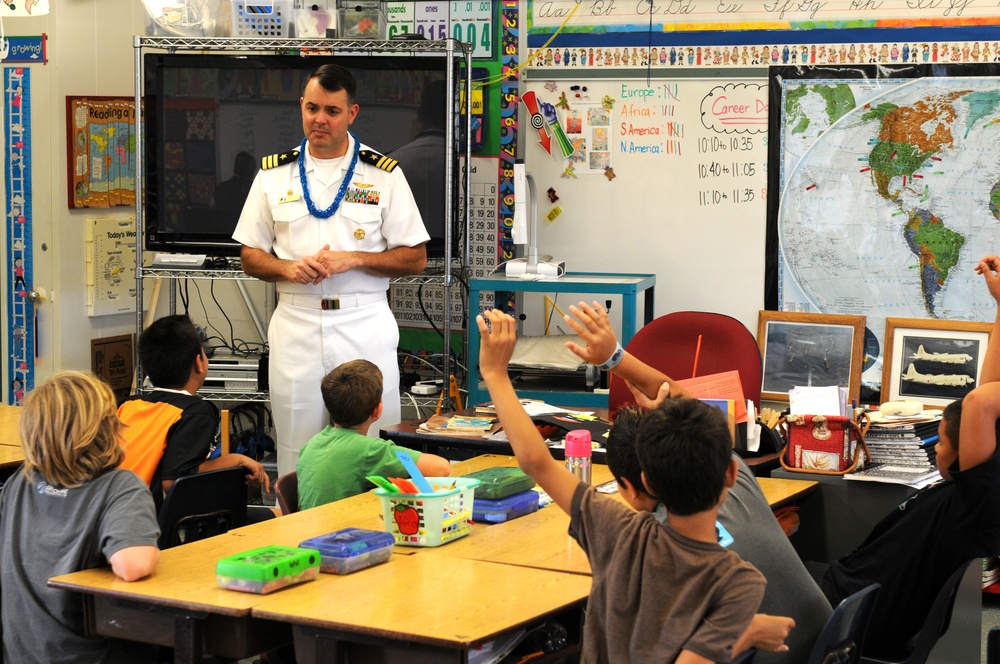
pixel 890 195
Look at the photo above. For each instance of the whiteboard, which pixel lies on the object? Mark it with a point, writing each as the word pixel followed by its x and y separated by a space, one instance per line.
pixel 687 200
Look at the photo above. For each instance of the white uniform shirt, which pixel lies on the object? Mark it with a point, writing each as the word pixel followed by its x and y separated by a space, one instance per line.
pixel 275 219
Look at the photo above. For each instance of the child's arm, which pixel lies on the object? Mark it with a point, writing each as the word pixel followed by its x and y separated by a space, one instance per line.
pixel 981 407
pixel 134 562
pixel 533 455
pixel 688 657
pixel 256 474
pixel 977 440
pixel 989 268
pixel 594 327
pixel 766 633
pixel 255 470
pixel 433 465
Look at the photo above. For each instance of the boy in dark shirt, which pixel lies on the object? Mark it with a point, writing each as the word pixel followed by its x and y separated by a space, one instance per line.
pixel 170 431
pixel 915 548
pixel 660 593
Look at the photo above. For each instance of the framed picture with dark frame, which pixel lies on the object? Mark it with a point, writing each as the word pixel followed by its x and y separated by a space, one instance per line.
pixel 932 361
pixel 810 350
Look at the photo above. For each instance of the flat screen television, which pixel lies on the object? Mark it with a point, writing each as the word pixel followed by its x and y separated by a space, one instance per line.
pixel 209 118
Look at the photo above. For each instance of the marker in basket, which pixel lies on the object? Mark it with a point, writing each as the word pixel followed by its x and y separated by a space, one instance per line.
pixel 415 474
pixel 382 483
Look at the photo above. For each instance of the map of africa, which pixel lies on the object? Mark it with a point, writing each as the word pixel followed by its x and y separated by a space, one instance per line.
pixel 890 195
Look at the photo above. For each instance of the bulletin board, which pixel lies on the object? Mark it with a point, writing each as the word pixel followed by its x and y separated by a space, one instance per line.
pixel 669 179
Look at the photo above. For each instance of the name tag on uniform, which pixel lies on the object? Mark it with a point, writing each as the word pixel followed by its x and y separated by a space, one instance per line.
pixel 290 197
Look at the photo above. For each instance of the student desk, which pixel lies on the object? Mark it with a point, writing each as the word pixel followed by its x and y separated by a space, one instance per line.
pixel 181 605
pixel 406 434
pixel 417 609
pixel 9 426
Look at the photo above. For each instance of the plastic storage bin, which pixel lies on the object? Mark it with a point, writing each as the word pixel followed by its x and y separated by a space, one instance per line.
pixel 267 569
pixel 262 18
pixel 500 482
pixel 361 19
pixel 505 509
pixel 348 550
pixel 430 519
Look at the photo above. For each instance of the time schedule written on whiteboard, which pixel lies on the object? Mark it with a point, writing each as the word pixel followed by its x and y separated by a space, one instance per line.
pixel 731 122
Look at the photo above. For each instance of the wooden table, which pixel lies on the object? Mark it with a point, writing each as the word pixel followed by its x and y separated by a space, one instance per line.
pixel 417 610
pixel 9 426
pixel 407 434
pixel 780 492
pixel 182 606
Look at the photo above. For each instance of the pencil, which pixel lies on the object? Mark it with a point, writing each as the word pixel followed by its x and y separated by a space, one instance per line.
pixel 697 351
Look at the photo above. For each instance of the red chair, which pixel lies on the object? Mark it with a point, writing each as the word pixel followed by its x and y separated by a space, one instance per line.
pixel 668 343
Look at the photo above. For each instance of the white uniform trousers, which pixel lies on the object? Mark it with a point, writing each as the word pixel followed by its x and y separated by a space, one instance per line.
pixel 306 344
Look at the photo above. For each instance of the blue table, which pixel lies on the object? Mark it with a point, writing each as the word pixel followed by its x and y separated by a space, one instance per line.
pixel 626 285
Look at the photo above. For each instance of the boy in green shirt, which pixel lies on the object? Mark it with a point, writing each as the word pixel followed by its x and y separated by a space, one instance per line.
pixel 334 463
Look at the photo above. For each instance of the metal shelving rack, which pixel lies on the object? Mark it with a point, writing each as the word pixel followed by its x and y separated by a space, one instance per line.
pixel 447 48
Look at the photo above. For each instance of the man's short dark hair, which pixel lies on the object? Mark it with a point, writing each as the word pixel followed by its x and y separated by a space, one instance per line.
pixel 684 447
pixel 621 455
pixel 168 349
pixel 333 77
pixel 352 392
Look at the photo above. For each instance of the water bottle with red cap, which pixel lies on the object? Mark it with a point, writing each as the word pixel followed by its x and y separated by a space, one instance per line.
pixel 578 453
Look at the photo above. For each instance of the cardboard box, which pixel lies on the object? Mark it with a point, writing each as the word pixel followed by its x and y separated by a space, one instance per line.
pixel 111 359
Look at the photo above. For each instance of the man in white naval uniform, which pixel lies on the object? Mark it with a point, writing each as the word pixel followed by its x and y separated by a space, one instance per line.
pixel 330 223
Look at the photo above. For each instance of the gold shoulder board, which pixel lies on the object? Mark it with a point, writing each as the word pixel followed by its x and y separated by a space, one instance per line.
pixel 280 159
pixel 378 160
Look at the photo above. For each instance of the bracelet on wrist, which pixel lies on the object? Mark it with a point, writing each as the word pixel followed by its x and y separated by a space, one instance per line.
pixel 615 358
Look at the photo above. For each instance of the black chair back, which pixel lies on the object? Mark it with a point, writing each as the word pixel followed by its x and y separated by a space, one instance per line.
pixel 935 624
pixel 843 636
pixel 203 505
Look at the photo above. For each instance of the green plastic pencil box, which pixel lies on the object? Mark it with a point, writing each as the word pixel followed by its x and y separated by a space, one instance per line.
pixel 267 569
pixel 500 482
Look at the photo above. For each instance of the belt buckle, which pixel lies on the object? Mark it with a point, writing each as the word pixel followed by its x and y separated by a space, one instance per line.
pixel 329 303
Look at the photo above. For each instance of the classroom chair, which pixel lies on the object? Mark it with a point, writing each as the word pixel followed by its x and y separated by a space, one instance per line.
pixel 993 646
pixel 286 490
pixel 843 636
pixel 669 343
pixel 202 505
pixel 935 624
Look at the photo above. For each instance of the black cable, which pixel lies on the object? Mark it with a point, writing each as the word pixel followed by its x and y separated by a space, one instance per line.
pixel 232 330
pixel 208 321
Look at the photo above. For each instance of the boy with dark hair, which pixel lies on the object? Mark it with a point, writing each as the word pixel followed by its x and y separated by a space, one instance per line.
pixel 660 593
pixel 68 509
pixel 334 463
pixel 916 547
pixel 745 514
pixel 170 432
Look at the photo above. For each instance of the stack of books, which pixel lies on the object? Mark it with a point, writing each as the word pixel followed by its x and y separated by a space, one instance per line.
pixel 458 425
pixel 902 450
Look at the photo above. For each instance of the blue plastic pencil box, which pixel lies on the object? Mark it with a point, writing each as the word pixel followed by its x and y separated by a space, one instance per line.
pixel 505 509
pixel 348 550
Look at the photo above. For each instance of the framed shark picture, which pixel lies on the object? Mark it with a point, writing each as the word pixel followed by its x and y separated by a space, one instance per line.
pixel 932 361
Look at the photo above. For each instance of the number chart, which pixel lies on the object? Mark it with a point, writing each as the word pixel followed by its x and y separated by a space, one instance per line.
pixel 469 22
pixel 411 299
